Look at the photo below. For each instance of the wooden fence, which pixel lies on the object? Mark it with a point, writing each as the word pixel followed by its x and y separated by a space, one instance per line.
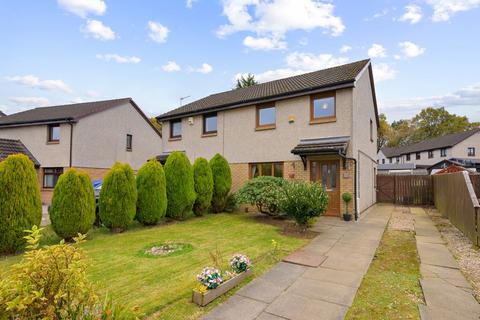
pixel 403 189
pixel 475 179
pixel 456 200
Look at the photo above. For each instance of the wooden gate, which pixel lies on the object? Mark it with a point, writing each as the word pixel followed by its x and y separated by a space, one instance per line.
pixel 402 189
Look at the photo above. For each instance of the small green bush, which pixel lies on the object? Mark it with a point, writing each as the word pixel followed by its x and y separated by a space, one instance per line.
pixel 152 193
pixel 20 203
pixel 222 182
pixel 180 185
pixel 346 197
pixel 232 204
pixel 73 204
pixel 118 198
pixel 304 201
pixel 264 192
pixel 202 175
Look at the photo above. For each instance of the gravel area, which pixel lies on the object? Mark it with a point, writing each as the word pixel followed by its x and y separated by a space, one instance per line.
pixel 467 255
pixel 402 219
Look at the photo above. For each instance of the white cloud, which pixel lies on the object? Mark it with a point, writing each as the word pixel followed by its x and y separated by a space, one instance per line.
pixel 413 14
pixel 264 43
pixel 410 49
pixel 171 66
pixel 117 58
pixel 272 19
pixel 158 32
pixel 189 3
pixel 98 30
pixel 301 62
pixel 443 10
pixel 30 101
pixel 377 51
pixel 35 82
pixel 83 7
pixel 382 72
pixel 92 93
pixel 205 68
pixel 345 48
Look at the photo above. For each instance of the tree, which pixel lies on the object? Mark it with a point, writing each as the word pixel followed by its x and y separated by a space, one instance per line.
pixel 202 175
pixel 20 203
pixel 180 185
pixel 73 205
pixel 156 124
pixel 402 133
pixel 118 198
pixel 384 131
pixel 222 182
pixel 246 81
pixel 152 193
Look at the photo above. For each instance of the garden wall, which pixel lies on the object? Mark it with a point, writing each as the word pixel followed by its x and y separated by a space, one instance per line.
pixel 456 200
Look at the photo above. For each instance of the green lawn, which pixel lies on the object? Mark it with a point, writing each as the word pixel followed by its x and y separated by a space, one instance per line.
pixel 390 289
pixel 162 286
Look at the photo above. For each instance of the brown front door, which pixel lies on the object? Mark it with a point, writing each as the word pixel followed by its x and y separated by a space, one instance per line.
pixel 327 172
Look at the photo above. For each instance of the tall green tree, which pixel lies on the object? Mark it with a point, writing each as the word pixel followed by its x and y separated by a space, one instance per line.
pixel 152 193
pixel 203 178
pixel 20 204
pixel 246 81
pixel 222 182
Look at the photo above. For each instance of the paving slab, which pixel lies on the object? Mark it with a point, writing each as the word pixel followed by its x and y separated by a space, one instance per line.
pixel 436 254
pixel 284 274
pixel 346 278
pixel 427 313
pixel 295 307
pixel 358 263
pixel 452 276
pixel 269 316
pixel 261 290
pixel 305 258
pixel 345 250
pixel 323 290
pixel 237 308
pixel 430 239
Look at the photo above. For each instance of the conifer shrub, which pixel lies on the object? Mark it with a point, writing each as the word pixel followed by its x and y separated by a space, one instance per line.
pixel 264 192
pixel 180 185
pixel 73 204
pixel 152 193
pixel 118 198
pixel 202 175
pixel 222 182
pixel 20 203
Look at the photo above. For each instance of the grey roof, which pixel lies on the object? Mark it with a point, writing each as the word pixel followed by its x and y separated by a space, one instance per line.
pixel 445 141
pixel 396 166
pixel 344 74
pixel 2 114
pixel 322 145
pixel 9 147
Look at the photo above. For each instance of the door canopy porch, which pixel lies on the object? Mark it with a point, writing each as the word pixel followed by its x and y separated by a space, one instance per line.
pixel 321 146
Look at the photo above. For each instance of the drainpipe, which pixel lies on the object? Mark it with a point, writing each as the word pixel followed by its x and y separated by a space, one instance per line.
pixel 354 180
pixel 71 141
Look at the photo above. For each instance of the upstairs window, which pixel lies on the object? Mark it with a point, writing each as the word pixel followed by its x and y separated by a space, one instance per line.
pixel 430 154
pixel 175 129
pixel 273 169
pixel 418 156
pixel 398 159
pixel 389 160
pixel 322 108
pixel 129 142
pixel 371 131
pixel 471 151
pixel 266 116
pixel 383 161
pixel 443 152
pixel 50 177
pixel 210 123
pixel 407 157
pixel 53 133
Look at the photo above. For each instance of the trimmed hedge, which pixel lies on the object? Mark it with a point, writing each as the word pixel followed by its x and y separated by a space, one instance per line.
pixel 202 175
pixel 20 203
pixel 152 193
pixel 180 185
pixel 73 204
pixel 118 198
pixel 222 182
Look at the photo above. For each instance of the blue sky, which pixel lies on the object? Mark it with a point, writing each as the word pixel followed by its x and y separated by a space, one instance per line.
pixel 55 52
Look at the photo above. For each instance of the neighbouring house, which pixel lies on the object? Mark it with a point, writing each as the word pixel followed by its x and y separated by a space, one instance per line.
pixel 462 145
pixel 319 126
pixel 455 165
pixel 2 114
pixel 90 136
pixel 402 168
pixel 10 147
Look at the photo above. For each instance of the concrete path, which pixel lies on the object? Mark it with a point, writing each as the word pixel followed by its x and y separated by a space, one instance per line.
pixel 447 294
pixel 291 291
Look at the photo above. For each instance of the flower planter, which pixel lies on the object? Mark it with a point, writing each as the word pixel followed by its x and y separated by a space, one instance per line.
pixel 204 298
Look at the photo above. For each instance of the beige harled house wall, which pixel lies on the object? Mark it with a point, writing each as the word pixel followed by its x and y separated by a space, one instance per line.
pixel 460 150
pixel 240 143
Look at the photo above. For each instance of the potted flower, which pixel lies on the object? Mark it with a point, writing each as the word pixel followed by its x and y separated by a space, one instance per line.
pixel 213 283
pixel 347 197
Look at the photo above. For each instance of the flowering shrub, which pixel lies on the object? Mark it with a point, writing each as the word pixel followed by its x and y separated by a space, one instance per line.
pixel 210 277
pixel 239 263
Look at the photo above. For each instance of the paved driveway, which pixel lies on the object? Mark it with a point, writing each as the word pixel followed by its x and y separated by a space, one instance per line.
pixel 291 291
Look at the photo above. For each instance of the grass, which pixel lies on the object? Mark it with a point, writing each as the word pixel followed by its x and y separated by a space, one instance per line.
pixel 390 289
pixel 163 286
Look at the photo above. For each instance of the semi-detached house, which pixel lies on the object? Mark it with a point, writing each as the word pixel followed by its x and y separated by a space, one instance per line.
pixel 319 126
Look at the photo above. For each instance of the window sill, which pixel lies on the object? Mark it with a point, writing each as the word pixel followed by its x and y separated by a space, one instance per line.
pixel 324 120
pixel 268 127
pixel 175 139
pixel 53 142
pixel 209 134
pixel 128 150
